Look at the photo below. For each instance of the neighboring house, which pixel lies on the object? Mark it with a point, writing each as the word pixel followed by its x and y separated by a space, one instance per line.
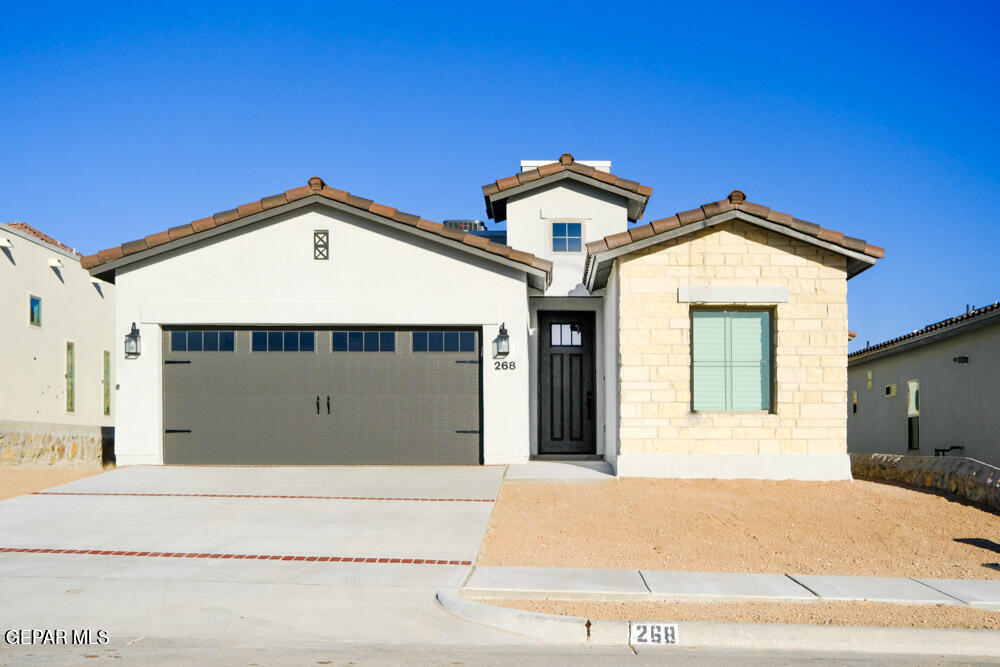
pixel 315 326
pixel 57 356
pixel 932 391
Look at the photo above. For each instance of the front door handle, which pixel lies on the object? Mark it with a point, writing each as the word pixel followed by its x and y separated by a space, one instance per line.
pixel 317 405
pixel 327 405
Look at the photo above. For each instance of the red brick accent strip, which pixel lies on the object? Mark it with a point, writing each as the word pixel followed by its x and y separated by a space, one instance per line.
pixel 317 559
pixel 249 495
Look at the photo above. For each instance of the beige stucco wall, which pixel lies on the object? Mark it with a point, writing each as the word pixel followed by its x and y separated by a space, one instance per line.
pixel 810 346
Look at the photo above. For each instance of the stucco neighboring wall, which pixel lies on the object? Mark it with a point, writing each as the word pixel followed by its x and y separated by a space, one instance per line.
pixel 958 402
pixel 376 275
pixel 659 433
pixel 33 358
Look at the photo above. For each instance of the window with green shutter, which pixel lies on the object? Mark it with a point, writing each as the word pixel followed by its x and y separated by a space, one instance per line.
pixel 70 378
pixel 731 357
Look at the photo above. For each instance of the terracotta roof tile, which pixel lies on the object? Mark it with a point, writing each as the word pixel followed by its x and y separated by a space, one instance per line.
pixel 273 200
pixel 40 235
pixel 133 247
pixel 736 200
pixel 226 216
pixel 160 238
pixel 202 224
pixel 694 215
pixel 972 314
pixel 316 186
pixel 665 224
pixel 87 261
pixel 566 163
pixel 181 231
pixel 250 209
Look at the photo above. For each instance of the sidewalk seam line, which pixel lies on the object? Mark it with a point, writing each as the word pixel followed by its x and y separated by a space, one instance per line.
pixel 818 596
pixel 959 600
pixel 645 583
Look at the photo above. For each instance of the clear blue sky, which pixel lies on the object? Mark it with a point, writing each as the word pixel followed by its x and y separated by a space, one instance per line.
pixel 881 122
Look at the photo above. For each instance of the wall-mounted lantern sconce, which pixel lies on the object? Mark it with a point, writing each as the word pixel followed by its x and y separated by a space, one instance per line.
pixel 501 344
pixel 133 343
pixel 963 359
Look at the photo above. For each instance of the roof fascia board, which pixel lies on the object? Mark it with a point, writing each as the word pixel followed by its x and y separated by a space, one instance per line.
pixel 728 216
pixel 561 176
pixel 297 204
pixel 927 338
pixel 34 239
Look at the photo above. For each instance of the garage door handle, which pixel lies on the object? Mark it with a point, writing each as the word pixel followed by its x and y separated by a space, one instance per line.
pixel 317 404
pixel 466 431
pixel 327 405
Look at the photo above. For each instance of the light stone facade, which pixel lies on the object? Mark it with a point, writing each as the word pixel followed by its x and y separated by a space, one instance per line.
pixel 810 346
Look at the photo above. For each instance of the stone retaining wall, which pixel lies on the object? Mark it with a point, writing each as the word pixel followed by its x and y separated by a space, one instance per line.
pixel 971 479
pixel 39 442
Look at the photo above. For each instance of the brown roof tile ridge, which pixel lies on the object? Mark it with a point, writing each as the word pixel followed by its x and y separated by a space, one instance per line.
pixel 566 162
pixel 735 200
pixel 40 235
pixel 983 310
pixel 315 186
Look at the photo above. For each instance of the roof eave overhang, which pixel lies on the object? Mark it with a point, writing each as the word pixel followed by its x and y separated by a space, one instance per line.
pixel 599 265
pixel 537 278
pixel 926 338
pixel 496 203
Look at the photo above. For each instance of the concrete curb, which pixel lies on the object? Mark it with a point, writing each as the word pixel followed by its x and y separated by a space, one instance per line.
pixel 554 629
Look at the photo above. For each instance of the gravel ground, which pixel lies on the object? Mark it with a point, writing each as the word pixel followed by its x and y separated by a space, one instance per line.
pixel 17 480
pixel 813 613
pixel 846 528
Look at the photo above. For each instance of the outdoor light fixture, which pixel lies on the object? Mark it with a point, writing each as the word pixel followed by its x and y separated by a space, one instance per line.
pixel 501 344
pixel 133 343
pixel 964 359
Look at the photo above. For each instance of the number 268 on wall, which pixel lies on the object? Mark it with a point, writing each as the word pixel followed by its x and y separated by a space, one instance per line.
pixel 504 365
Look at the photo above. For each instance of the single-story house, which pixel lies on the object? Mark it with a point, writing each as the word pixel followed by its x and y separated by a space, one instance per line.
pixel 319 327
pixel 932 391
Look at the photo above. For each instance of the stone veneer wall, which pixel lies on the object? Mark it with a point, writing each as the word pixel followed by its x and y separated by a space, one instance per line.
pixel 810 346
pixel 37 442
pixel 969 478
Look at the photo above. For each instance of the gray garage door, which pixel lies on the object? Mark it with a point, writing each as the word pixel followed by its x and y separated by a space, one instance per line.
pixel 243 396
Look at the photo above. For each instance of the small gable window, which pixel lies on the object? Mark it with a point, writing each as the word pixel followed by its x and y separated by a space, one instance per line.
pixel 321 244
pixel 567 236
pixel 35 311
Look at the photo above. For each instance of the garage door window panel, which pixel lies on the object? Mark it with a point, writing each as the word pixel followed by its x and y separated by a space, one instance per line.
pixel 444 341
pixel 364 341
pixel 202 341
pixel 283 341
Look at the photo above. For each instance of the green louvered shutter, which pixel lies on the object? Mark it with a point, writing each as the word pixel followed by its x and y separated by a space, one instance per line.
pixel 750 344
pixel 731 360
pixel 709 358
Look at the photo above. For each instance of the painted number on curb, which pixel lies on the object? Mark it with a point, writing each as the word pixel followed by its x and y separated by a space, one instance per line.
pixel 647 632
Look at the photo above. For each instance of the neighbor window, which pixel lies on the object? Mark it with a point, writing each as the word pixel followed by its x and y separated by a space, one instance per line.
pixel 283 341
pixel 567 236
pixel 106 382
pixel 731 354
pixel 913 414
pixel 203 341
pixel 890 389
pixel 868 379
pixel 70 378
pixel 364 341
pixel 854 402
pixel 35 310
pixel 444 341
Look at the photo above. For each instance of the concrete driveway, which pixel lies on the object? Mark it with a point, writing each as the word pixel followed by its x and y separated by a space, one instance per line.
pixel 249 554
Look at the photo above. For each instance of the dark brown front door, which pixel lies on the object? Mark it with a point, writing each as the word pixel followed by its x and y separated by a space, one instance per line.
pixel 567 401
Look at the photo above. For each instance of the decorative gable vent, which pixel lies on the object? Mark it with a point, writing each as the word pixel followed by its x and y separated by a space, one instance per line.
pixel 321 244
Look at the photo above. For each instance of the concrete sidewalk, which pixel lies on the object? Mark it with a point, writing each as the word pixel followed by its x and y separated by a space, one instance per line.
pixel 657 585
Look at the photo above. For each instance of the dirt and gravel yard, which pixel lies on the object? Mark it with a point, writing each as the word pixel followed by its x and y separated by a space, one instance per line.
pixel 845 528
pixel 18 480
pixel 813 613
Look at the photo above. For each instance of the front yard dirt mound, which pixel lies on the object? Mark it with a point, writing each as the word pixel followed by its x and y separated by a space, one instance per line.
pixel 846 528
pixel 814 613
